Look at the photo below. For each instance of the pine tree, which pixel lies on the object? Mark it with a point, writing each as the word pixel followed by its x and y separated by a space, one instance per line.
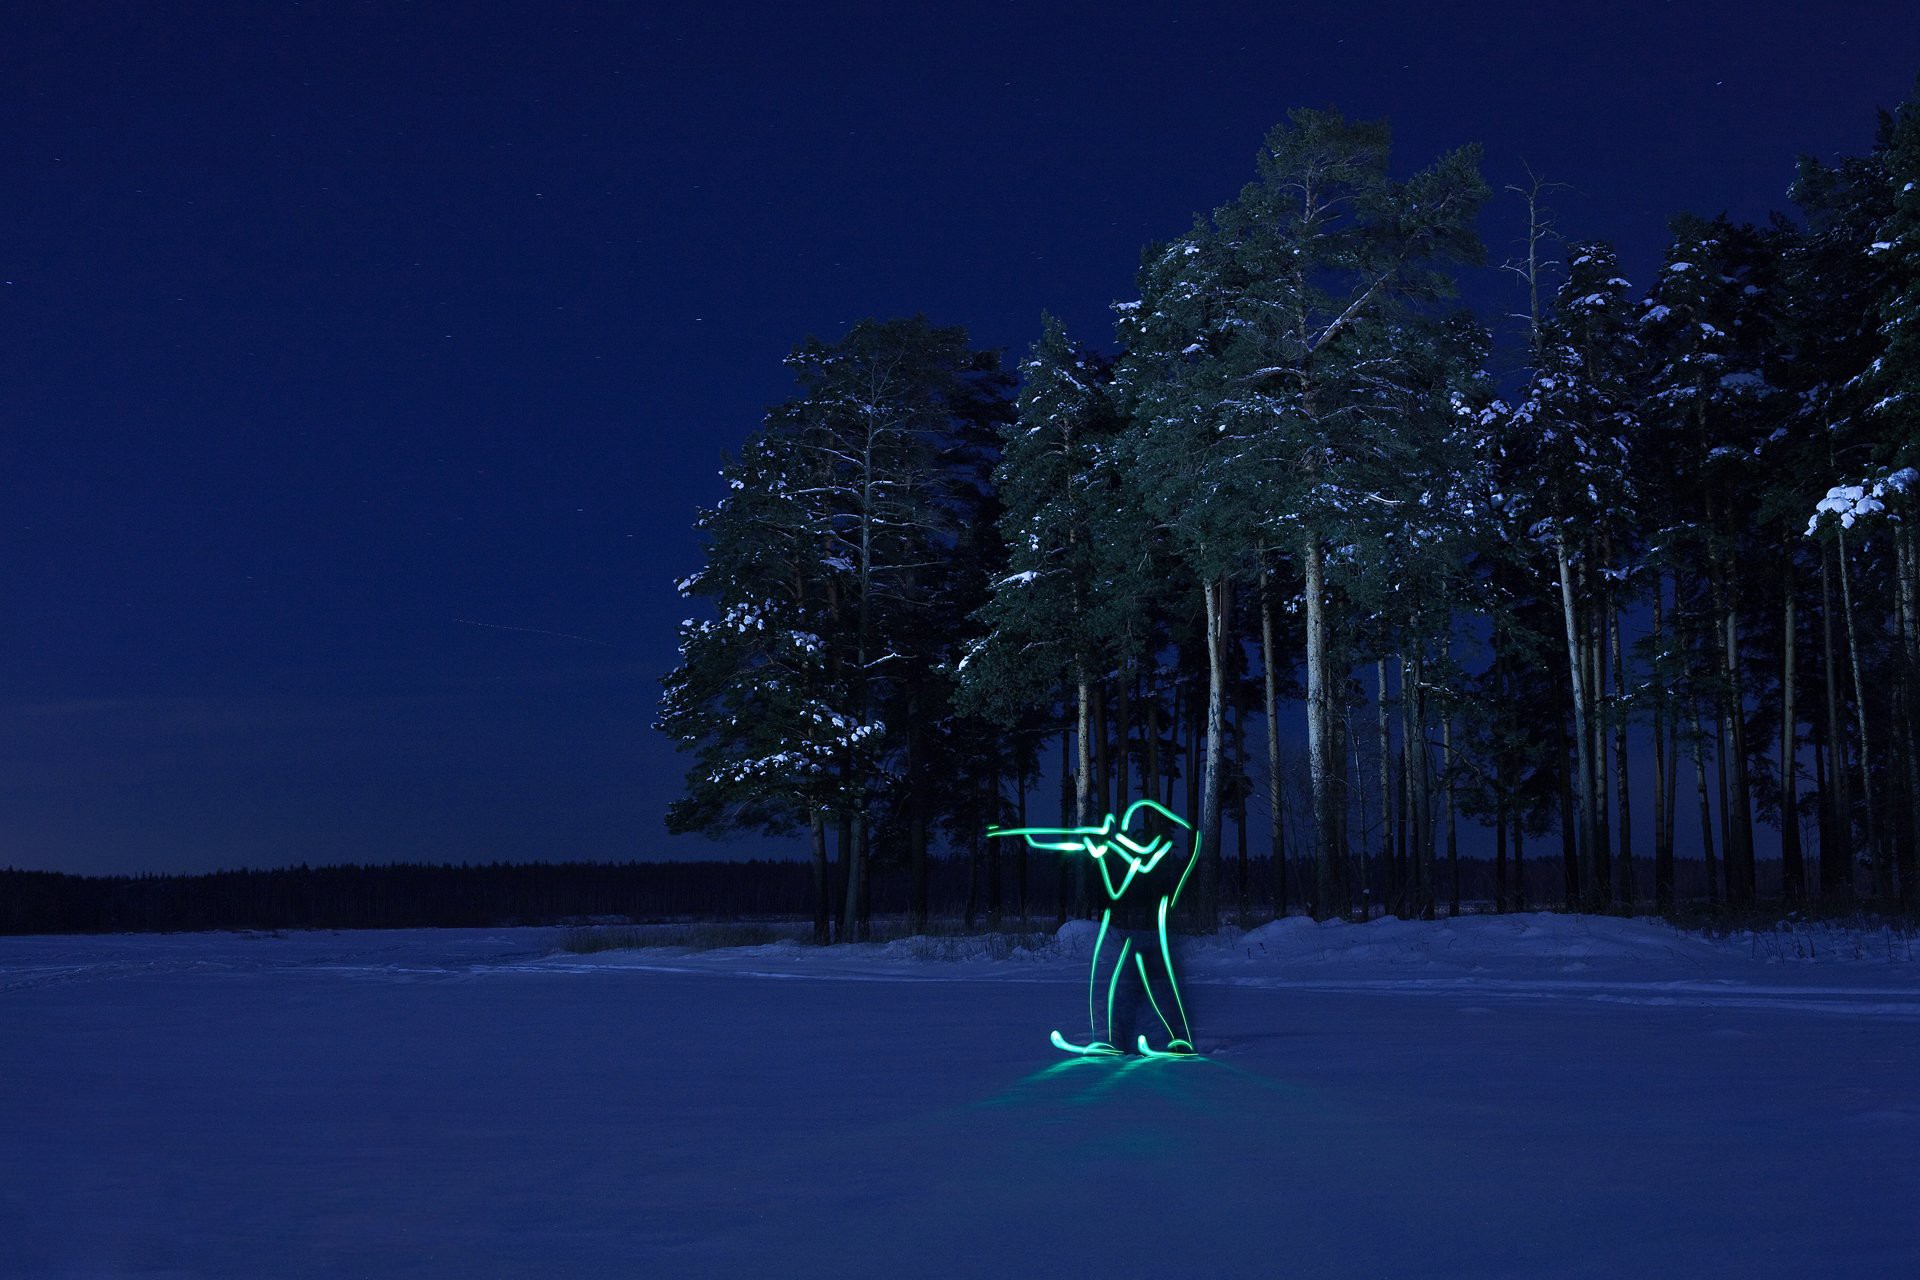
pixel 753 698
pixel 1257 362
pixel 860 519
pixel 1574 431
pixel 1711 327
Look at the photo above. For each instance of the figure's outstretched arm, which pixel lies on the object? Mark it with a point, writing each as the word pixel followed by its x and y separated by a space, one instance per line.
pixel 1073 839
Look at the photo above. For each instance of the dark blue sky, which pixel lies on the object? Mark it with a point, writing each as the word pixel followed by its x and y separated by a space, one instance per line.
pixel 329 331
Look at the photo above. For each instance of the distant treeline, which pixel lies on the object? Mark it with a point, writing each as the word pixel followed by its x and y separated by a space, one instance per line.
pixel 400 896
pixel 413 896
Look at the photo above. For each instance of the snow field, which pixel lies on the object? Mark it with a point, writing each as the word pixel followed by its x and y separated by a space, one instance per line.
pixel 1522 1096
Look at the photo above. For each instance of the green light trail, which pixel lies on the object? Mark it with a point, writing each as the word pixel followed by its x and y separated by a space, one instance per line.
pixel 1137 865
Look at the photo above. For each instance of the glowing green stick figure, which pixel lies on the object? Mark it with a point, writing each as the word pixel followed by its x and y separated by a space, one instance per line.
pixel 1137 866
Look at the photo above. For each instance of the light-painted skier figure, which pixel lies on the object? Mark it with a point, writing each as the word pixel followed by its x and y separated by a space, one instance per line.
pixel 1140 863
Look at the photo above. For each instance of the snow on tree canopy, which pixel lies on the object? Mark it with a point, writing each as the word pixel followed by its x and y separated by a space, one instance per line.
pixel 1848 503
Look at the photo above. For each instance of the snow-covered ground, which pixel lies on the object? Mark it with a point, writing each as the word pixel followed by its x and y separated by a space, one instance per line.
pixel 1525 1096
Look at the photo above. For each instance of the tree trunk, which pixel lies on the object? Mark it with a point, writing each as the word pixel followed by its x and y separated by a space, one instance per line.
pixel 1020 851
pixel 1706 809
pixel 1240 780
pixel 917 906
pixel 1196 734
pixel 1519 863
pixel 1083 798
pixel 1218 595
pixel 1388 860
pixel 822 906
pixel 1102 754
pixel 1583 781
pixel 1620 767
pixel 1420 808
pixel 992 815
pixel 1330 866
pixel 1740 869
pixel 1344 767
pixel 1673 786
pixel 865 831
pixel 918 913
pixel 1906 572
pixel 1150 766
pixel 1662 831
pixel 972 913
pixel 1836 840
pixel 1601 870
pixel 851 926
pixel 856 867
pixel 1175 766
pixel 1882 863
pixel 1500 855
pixel 844 873
pixel 1569 821
pixel 1726 819
pixel 1793 878
pixel 1400 899
pixel 1453 830
pixel 1276 842
pixel 1062 874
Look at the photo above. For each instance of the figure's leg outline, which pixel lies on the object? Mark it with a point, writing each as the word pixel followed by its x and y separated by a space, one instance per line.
pixel 1166 958
pixel 1113 983
pixel 1140 963
pixel 1093 979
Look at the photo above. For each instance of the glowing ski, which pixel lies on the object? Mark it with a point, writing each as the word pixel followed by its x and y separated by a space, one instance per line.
pixel 1098 1049
pixel 1174 1049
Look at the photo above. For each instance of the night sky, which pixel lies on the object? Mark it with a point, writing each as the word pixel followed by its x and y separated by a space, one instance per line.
pixel 361 365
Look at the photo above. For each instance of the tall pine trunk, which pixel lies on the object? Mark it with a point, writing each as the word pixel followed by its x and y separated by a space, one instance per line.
pixel 1500 854
pixel 1793 878
pixel 1419 794
pixel 1726 816
pixel 855 923
pixel 1062 873
pixel 1836 837
pixel 1882 863
pixel 1102 756
pixel 1020 850
pixel 1569 821
pixel 822 904
pixel 1150 766
pixel 1276 842
pixel 917 905
pixel 996 901
pixel 1240 780
pixel 1083 795
pixel 1905 573
pixel 1217 595
pixel 1662 823
pixel 1519 863
pixel 1706 809
pixel 972 912
pixel 1620 767
pixel 1388 859
pixel 1740 868
pixel 1583 781
pixel 1330 865
pixel 1601 869
pixel 1453 830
